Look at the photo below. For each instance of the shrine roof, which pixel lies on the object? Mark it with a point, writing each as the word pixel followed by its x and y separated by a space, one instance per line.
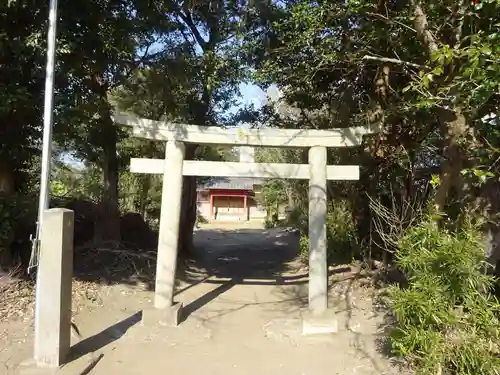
pixel 235 183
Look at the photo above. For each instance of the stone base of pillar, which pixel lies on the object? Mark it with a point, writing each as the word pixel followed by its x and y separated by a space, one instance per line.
pixel 169 317
pixel 31 367
pixel 83 364
pixel 326 323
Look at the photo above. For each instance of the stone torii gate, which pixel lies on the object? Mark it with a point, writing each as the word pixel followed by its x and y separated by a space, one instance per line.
pixel 53 308
pixel 174 167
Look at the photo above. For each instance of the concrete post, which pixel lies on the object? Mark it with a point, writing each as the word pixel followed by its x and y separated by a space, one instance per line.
pixel 169 225
pixel 54 278
pixel 318 269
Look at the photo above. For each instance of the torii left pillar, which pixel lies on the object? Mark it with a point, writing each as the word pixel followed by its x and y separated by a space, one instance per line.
pixel 166 312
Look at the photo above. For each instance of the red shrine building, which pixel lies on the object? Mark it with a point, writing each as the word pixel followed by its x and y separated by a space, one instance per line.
pixel 231 199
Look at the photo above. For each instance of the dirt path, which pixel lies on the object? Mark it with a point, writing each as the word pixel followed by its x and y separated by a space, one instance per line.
pixel 243 317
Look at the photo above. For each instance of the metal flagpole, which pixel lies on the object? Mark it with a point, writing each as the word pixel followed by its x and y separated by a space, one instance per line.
pixel 48 110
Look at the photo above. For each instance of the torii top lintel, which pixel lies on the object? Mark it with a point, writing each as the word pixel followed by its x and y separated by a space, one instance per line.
pixel 265 137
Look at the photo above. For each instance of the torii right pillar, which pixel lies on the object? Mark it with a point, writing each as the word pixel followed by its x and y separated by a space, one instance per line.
pixel 318 268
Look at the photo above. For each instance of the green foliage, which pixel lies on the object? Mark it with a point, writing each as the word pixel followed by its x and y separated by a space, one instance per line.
pixel 80 183
pixel 141 194
pixel 15 211
pixel 21 84
pixel 304 247
pixel 471 67
pixel 447 320
pixel 274 193
pixel 270 223
pixel 381 72
pixel 7 218
pixel 340 231
pixel 277 194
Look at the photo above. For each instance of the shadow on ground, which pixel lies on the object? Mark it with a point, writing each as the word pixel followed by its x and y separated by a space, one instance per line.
pixel 258 254
pixel 248 252
pixel 239 253
pixel 249 257
pixel 227 258
pixel 91 345
pixel 243 256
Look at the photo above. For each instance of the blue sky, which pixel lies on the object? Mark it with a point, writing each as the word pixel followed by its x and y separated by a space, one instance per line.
pixel 251 94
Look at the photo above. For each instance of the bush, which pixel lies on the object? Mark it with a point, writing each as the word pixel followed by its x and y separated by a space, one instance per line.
pixel 304 247
pixel 447 320
pixel 17 215
pixel 340 231
pixel 269 223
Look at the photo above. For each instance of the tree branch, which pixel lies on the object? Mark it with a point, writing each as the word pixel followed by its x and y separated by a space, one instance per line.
pixel 461 19
pixel 188 20
pixel 188 42
pixel 394 61
pixel 390 21
pixel 420 23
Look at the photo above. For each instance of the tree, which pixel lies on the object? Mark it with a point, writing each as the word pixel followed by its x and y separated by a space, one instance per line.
pixel 200 36
pixel 21 86
pixel 98 42
pixel 21 89
pixel 404 67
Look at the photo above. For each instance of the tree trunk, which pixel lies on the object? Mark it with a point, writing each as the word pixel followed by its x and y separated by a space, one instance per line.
pixel 5 252
pixel 7 222
pixel 145 186
pixel 453 128
pixel 110 202
pixel 203 117
pixel 290 197
pixel 108 228
pixel 188 209
pixel 453 123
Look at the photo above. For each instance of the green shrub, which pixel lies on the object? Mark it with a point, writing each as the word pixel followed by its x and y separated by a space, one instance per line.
pixel 447 320
pixel 269 223
pixel 340 231
pixel 304 246
pixel 297 218
pixel 16 211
